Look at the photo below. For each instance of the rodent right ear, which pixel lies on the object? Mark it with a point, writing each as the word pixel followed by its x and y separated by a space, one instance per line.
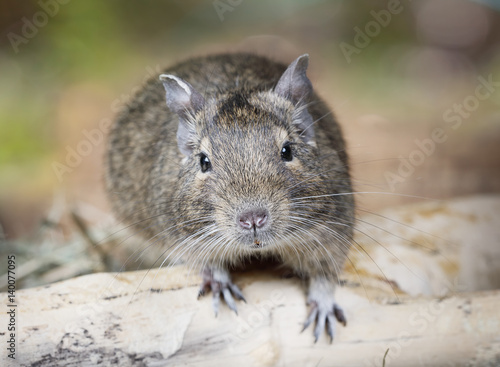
pixel 181 97
pixel 185 101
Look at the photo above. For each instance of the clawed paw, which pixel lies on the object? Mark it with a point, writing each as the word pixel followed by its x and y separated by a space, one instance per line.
pixel 219 282
pixel 324 316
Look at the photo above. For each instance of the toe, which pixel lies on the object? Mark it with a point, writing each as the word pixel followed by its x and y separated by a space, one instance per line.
pixel 237 292
pixel 339 314
pixel 311 317
pixel 226 293
pixel 325 317
pixel 330 325
pixel 219 282
pixel 216 299
pixel 204 288
pixel 320 325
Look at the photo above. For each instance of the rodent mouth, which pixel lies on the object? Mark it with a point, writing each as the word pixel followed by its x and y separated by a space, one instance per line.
pixel 256 239
pixel 256 244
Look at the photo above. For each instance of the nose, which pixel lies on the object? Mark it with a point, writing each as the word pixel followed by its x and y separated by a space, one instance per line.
pixel 253 219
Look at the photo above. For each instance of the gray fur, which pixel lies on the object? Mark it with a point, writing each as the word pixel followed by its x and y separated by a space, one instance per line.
pixel 244 109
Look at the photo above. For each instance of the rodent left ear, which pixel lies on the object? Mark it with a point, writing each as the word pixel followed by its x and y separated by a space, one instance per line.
pixel 294 84
pixel 296 87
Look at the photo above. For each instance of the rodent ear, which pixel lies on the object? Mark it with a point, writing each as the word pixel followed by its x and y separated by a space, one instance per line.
pixel 294 84
pixel 185 101
pixel 181 97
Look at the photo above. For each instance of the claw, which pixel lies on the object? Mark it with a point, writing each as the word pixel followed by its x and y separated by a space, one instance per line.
pixel 311 317
pixel 237 292
pixel 339 315
pixel 226 293
pixel 324 317
pixel 204 288
pixel 216 299
pixel 320 325
pixel 330 326
pixel 220 283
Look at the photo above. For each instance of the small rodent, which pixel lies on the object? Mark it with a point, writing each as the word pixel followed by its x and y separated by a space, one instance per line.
pixel 243 160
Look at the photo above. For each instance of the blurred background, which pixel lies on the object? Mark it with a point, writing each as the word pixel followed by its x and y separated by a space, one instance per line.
pixel 415 85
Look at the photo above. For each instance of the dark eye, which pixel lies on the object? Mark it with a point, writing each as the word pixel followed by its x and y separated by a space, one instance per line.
pixel 286 152
pixel 205 163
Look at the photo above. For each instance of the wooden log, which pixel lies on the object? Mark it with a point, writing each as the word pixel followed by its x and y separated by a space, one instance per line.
pixel 403 299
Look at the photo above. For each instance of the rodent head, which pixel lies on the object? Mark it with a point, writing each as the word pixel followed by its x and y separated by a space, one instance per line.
pixel 249 159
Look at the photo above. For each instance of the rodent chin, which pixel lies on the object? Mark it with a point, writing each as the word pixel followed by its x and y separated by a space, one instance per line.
pixel 257 246
pixel 255 242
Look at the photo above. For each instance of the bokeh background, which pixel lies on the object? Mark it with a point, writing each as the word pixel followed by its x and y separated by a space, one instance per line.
pixel 393 71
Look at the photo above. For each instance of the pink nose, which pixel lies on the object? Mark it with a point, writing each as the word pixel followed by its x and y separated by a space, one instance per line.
pixel 253 219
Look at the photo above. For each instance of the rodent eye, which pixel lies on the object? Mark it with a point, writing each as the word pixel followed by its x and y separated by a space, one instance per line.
pixel 205 163
pixel 286 152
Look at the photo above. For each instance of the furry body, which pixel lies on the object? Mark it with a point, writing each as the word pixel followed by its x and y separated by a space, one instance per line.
pixel 244 160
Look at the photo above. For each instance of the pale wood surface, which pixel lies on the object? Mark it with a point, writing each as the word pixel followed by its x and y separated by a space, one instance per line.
pixel 408 303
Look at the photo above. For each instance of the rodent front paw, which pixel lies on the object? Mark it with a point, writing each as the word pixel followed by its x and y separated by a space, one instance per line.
pixel 324 315
pixel 219 282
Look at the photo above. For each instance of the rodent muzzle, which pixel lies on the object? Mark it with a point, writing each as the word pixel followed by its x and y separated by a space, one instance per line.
pixel 254 223
pixel 253 219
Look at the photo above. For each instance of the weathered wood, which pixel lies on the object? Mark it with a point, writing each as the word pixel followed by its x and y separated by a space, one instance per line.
pixel 407 303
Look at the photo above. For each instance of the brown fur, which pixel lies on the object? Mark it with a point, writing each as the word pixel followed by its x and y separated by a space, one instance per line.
pixel 242 128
